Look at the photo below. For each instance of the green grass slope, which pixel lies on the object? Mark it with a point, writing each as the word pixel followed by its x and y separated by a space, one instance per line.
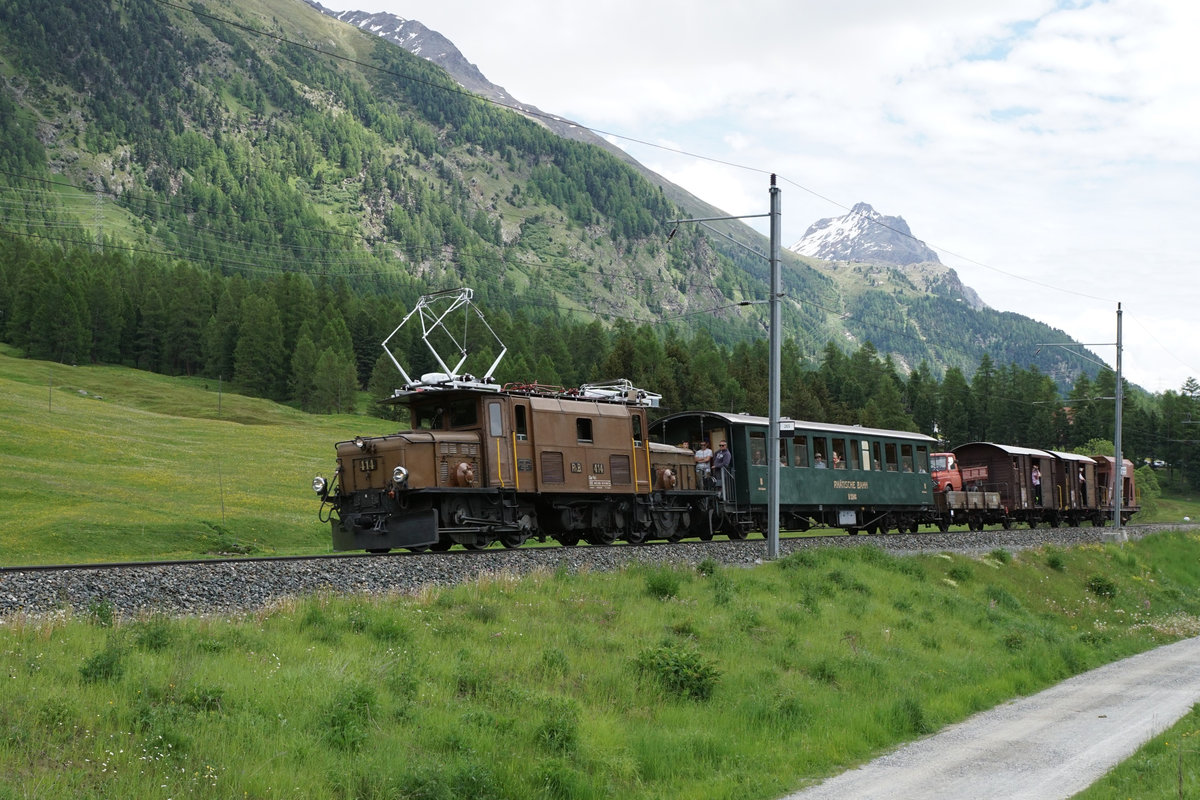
pixel 708 683
pixel 111 464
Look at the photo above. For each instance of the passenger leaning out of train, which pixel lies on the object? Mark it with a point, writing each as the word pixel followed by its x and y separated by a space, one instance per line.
pixel 703 463
pixel 722 465
pixel 1037 485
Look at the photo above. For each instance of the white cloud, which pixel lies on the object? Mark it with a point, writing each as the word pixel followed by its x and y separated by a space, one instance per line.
pixel 1053 141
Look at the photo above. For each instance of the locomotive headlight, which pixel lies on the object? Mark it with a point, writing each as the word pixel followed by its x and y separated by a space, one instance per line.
pixel 320 485
pixel 399 476
pixel 360 443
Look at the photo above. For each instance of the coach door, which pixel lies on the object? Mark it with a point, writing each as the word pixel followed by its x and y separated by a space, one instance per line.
pixel 499 447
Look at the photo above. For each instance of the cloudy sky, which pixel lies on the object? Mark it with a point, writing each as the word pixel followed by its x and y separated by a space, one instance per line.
pixel 1049 151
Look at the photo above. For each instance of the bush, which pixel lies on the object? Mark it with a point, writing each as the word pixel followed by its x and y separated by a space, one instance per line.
pixel 907 718
pixel 107 665
pixel 1102 586
pixel 348 716
pixel 960 573
pixel 680 671
pixel 155 634
pixel 101 612
pixel 663 583
pixel 1054 560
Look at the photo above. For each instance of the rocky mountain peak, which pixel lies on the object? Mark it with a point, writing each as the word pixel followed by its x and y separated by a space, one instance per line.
pixel 864 235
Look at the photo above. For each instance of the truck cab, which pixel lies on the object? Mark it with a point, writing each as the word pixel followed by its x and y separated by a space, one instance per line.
pixel 943 469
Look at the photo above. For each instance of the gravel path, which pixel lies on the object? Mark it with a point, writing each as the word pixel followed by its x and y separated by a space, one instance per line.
pixel 1051 745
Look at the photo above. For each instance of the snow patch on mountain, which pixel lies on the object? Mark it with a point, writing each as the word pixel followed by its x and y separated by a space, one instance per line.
pixel 864 235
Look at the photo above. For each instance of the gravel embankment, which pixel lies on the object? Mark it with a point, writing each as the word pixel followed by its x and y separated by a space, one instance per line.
pixel 223 588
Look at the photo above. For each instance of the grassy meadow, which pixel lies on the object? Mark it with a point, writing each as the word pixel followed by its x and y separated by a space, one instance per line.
pixel 112 464
pixel 653 682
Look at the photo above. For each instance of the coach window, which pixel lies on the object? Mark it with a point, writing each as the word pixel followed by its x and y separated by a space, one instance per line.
pixel 839 453
pixel 876 459
pixel 783 459
pixel 889 451
pixel 922 459
pixel 906 457
pixel 866 455
pixel 758 449
pixel 637 430
pixel 583 430
pixel 519 424
pixel 820 452
pixel 800 448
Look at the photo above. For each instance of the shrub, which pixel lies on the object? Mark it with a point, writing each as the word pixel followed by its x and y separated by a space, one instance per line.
pixel 1101 586
pixel 1003 598
pixel 101 612
pixel 154 634
pixel 907 718
pixel 722 588
pixel 106 665
pixel 680 671
pixel 1001 555
pixel 347 717
pixel 1054 560
pixel 824 671
pixel 663 583
pixel 1014 641
pixel 960 573
pixel 204 698
pixel 559 729
pixel 554 662
pixel 708 567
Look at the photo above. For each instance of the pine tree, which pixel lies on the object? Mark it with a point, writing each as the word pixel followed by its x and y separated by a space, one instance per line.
pixel 302 383
pixel 258 358
pixel 335 384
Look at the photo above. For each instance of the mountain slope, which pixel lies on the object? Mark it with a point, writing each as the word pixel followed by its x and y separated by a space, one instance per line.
pixel 264 138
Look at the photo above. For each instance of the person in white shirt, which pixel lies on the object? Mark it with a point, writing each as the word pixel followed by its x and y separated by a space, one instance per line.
pixel 703 463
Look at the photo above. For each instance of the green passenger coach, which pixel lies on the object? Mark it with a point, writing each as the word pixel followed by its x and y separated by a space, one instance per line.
pixel 839 476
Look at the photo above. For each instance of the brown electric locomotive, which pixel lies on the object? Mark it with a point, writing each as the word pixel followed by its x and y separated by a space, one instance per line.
pixel 483 463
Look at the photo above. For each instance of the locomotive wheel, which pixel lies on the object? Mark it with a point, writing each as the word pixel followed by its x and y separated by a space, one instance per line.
pixel 513 540
pixel 600 536
pixel 567 539
pixel 943 524
pixel 1006 523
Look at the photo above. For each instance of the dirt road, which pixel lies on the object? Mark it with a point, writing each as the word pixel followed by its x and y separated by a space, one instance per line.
pixel 1050 745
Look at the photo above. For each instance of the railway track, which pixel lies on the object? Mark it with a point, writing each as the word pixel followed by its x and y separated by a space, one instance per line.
pixel 248 584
